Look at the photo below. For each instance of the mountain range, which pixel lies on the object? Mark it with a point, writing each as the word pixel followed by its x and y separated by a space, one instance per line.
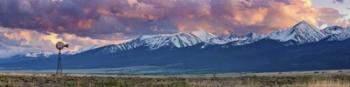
pixel 300 47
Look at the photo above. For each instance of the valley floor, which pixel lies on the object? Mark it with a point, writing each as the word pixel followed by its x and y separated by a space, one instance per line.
pixel 332 78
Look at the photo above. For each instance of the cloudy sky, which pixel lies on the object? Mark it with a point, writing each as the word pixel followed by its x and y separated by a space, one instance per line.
pixel 35 25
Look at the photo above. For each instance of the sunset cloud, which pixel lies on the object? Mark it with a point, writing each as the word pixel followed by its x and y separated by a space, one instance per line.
pixel 332 17
pixel 136 17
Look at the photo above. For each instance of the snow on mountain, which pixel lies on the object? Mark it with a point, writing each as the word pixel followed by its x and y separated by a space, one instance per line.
pixel 333 30
pixel 237 39
pixel 38 54
pixel 336 33
pixel 250 38
pixel 177 40
pixel 203 35
pixel 245 39
pixel 300 33
pixel 224 40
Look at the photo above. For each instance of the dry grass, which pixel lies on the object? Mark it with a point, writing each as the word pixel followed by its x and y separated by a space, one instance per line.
pixel 317 80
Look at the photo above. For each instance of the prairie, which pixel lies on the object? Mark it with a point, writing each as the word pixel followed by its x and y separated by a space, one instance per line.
pixel 254 80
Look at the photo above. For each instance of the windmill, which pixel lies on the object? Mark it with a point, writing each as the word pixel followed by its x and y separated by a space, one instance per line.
pixel 60 46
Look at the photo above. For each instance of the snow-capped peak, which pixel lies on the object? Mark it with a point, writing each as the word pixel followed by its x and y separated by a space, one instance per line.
pixel 203 35
pixel 246 39
pixel 38 54
pixel 333 30
pixel 336 33
pixel 254 36
pixel 303 25
pixel 177 40
pixel 238 39
pixel 300 33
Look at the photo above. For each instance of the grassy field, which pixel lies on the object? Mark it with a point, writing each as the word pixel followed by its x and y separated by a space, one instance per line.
pixel 311 80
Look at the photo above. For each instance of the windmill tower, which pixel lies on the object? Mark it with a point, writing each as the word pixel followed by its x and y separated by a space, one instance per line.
pixel 60 46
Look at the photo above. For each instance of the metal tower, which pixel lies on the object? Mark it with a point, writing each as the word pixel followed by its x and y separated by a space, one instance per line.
pixel 60 46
